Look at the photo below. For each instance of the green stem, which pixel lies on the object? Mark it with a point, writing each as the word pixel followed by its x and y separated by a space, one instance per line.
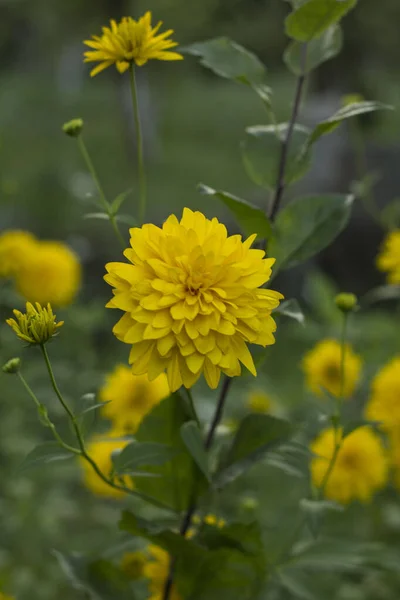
pixel 139 146
pixel 82 448
pixel 106 206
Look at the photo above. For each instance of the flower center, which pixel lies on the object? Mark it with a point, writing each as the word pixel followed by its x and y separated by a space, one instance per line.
pixel 332 373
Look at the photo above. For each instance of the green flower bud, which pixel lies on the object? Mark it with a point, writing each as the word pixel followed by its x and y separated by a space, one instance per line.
pixel 346 302
pixel 36 326
pixel 12 366
pixel 249 503
pixel 351 99
pixel 73 128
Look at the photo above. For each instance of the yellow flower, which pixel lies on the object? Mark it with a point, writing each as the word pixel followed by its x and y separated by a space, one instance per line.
pixel 131 397
pixel 51 273
pixel 259 402
pixel 157 570
pixel 322 368
pixel 132 564
pixel 4 597
pixel 37 325
pixel 192 300
pixel 15 246
pixel 360 470
pixel 388 260
pixel 128 42
pixel 100 449
pixel 384 402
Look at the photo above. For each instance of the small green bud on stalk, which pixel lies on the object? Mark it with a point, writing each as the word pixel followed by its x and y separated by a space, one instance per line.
pixel 73 128
pixel 12 366
pixel 346 302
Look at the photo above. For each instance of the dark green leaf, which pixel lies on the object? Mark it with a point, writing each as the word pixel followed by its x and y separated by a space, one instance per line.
pixel 332 554
pixel 256 436
pixel 245 537
pixel 177 477
pixel 380 294
pixel 44 454
pixel 144 454
pixel 194 442
pixel 232 61
pixel 355 424
pixel 347 112
pixel 250 218
pixel 306 226
pixel 118 201
pixel 298 584
pixel 312 18
pixel 291 308
pixel 390 215
pixel 98 215
pixel 101 579
pixel 318 51
pixel 261 152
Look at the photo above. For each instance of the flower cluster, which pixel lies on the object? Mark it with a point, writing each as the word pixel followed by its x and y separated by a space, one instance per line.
pixel 361 467
pixel 43 271
pixel 130 42
pixel 37 325
pixel 388 259
pixel 384 402
pixel 192 300
pixel 322 368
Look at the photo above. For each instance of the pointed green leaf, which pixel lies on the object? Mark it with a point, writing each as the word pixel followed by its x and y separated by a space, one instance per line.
pixel 261 151
pixel 312 18
pixel 127 220
pixel 194 442
pixel 380 294
pixel 291 308
pixel 44 454
pixel 298 584
pixel 87 416
pixel 145 454
pixel 306 226
pixel 318 51
pixel 250 218
pixel 230 60
pixel 99 215
pixel 118 201
pixel 333 554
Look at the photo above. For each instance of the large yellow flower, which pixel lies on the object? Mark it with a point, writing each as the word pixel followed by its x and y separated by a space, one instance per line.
pixel 361 467
pixel 384 402
pixel 192 300
pixel 157 570
pixel 322 368
pixel 15 246
pixel 100 449
pixel 128 42
pixel 131 397
pixel 388 259
pixel 51 273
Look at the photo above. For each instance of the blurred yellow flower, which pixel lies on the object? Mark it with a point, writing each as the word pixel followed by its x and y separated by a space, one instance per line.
pixel 192 300
pixel 322 364
pixel 131 397
pixel 51 273
pixel 4 597
pixel 156 570
pixel 384 402
pixel 37 325
pixel 128 42
pixel 132 564
pixel 388 260
pixel 15 246
pixel 360 470
pixel 100 449
pixel 259 402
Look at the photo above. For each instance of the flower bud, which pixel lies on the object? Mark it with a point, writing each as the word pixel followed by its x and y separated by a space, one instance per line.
pixel 12 366
pixel 249 503
pixel 346 302
pixel 73 128
pixel 36 326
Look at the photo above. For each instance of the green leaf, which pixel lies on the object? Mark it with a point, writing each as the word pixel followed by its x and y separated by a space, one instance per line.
pixel 257 435
pixel 355 424
pixel 250 218
pixel 100 579
pixel 298 584
pixel 144 454
pixel 312 18
pixel 347 112
pixel 390 215
pixel 99 215
pixel 231 61
pixel 118 201
pixel 44 454
pixel 261 150
pixel 194 442
pixel 162 425
pixel 245 537
pixel 291 308
pixel 318 507
pixel 87 416
pixel 332 554
pixel 127 220
pixel 318 51
pixel 380 294
pixel 306 226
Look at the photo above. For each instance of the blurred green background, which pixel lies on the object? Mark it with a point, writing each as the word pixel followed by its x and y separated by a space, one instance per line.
pixel 193 125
